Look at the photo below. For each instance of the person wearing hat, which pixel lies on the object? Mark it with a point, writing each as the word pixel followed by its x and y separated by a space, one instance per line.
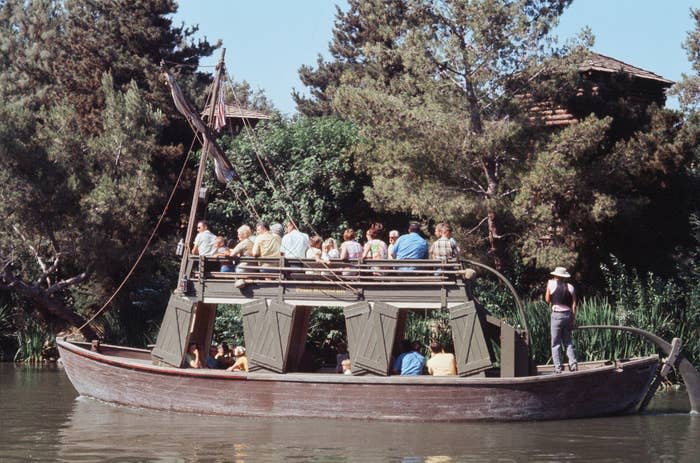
pixel 561 297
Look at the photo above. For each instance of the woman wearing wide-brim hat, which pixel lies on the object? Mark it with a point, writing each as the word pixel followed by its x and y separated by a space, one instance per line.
pixel 561 297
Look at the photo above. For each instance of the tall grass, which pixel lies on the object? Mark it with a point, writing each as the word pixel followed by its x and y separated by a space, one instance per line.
pixel 33 342
pixel 665 307
pixel 429 325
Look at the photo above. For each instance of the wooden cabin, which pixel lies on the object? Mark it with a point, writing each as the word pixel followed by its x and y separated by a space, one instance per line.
pixel 376 297
pixel 606 81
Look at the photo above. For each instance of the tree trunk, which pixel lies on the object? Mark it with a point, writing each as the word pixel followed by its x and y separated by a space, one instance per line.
pixel 46 301
pixel 58 309
pixel 495 237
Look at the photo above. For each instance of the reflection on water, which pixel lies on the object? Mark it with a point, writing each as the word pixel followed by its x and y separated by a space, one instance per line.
pixel 42 420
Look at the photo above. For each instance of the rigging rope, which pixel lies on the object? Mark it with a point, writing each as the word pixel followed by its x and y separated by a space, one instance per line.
pixel 252 135
pixel 148 242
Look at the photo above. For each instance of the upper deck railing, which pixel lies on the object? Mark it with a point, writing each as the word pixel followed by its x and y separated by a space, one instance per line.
pixel 404 283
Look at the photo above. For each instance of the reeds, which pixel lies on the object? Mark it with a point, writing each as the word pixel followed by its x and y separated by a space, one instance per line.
pixel 665 307
pixel 34 340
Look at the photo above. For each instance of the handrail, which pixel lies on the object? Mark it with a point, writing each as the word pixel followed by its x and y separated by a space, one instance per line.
pixel 688 372
pixel 518 301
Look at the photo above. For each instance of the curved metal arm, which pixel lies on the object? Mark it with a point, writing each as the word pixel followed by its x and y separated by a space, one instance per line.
pixel 690 375
pixel 518 302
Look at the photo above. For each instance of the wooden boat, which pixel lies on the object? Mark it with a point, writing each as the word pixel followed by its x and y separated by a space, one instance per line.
pixel 126 376
pixel 275 312
pixel 375 298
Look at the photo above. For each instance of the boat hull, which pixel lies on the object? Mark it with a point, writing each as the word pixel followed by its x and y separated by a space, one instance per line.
pixel 124 376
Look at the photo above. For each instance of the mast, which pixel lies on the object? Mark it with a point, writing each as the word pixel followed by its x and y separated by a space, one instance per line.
pixel 192 221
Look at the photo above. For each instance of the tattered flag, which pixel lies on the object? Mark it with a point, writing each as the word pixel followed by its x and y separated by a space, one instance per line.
pixel 222 167
pixel 220 115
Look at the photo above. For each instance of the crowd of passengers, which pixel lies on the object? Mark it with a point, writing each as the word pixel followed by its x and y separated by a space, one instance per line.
pixel 409 362
pixel 277 240
pixel 219 357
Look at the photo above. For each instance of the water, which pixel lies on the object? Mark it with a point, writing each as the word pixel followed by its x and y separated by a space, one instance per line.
pixel 42 419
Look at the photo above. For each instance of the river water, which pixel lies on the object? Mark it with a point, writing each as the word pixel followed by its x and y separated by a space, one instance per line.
pixel 43 419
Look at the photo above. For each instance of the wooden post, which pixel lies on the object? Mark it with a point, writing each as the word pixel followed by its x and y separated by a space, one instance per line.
pixel 192 221
pixel 515 353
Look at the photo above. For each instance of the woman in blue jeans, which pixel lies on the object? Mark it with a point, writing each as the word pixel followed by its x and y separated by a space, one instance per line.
pixel 560 295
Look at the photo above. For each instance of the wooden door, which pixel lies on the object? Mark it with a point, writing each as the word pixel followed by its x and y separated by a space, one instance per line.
pixel 267 327
pixel 173 336
pixel 371 329
pixel 471 350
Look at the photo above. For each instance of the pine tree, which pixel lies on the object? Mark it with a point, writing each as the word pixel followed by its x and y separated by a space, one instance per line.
pixel 435 96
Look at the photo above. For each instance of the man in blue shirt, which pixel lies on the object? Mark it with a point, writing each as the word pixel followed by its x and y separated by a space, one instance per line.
pixel 411 245
pixel 411 362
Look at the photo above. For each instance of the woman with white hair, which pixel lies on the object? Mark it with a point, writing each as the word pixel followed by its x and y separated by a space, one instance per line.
pixel 244 248
pixel 560 295
pixel 329 250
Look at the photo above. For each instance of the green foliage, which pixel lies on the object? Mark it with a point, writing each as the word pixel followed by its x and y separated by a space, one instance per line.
pixel 431 87
pixel 552 205
pixel 8 342
pixel 327 327
pixel 428 326
pixel 85 153
pixel 292 169
pixel 688 89
pixel 664 307
pixel 33 339
pixel 437 88
pixel 228 325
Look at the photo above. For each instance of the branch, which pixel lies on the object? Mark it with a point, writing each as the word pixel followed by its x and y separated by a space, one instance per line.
pixel 510 192
pixel 32 248
pixel 65 283
pixel 477 225
pixel 49 271
pixel 7 280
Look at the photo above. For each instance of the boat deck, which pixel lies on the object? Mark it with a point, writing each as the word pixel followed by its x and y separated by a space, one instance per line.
pixel 415 284
pixel 141 359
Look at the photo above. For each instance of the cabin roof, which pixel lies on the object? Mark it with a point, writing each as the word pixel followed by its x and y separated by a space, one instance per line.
pixel 602 63
pixel 237 112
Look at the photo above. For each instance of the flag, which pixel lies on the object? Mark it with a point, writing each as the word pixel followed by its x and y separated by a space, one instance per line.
pixel 220 114
pixel 222 167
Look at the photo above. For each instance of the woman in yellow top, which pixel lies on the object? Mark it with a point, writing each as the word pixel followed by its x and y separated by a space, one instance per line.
pixel 241 363
pixel 441 363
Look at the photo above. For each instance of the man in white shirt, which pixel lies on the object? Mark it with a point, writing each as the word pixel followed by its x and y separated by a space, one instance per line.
pixel 393 236
pixel 204 241
pixel 294 242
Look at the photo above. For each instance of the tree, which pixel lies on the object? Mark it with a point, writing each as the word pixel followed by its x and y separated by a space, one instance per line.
pixel 445 94
pixel 437 102
pixel 128 38
pixel 587 194
pixel 65 195
pixel 688 89
pixel 365 22
pixel 688 92
pixel 86 154
pixel 292 168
